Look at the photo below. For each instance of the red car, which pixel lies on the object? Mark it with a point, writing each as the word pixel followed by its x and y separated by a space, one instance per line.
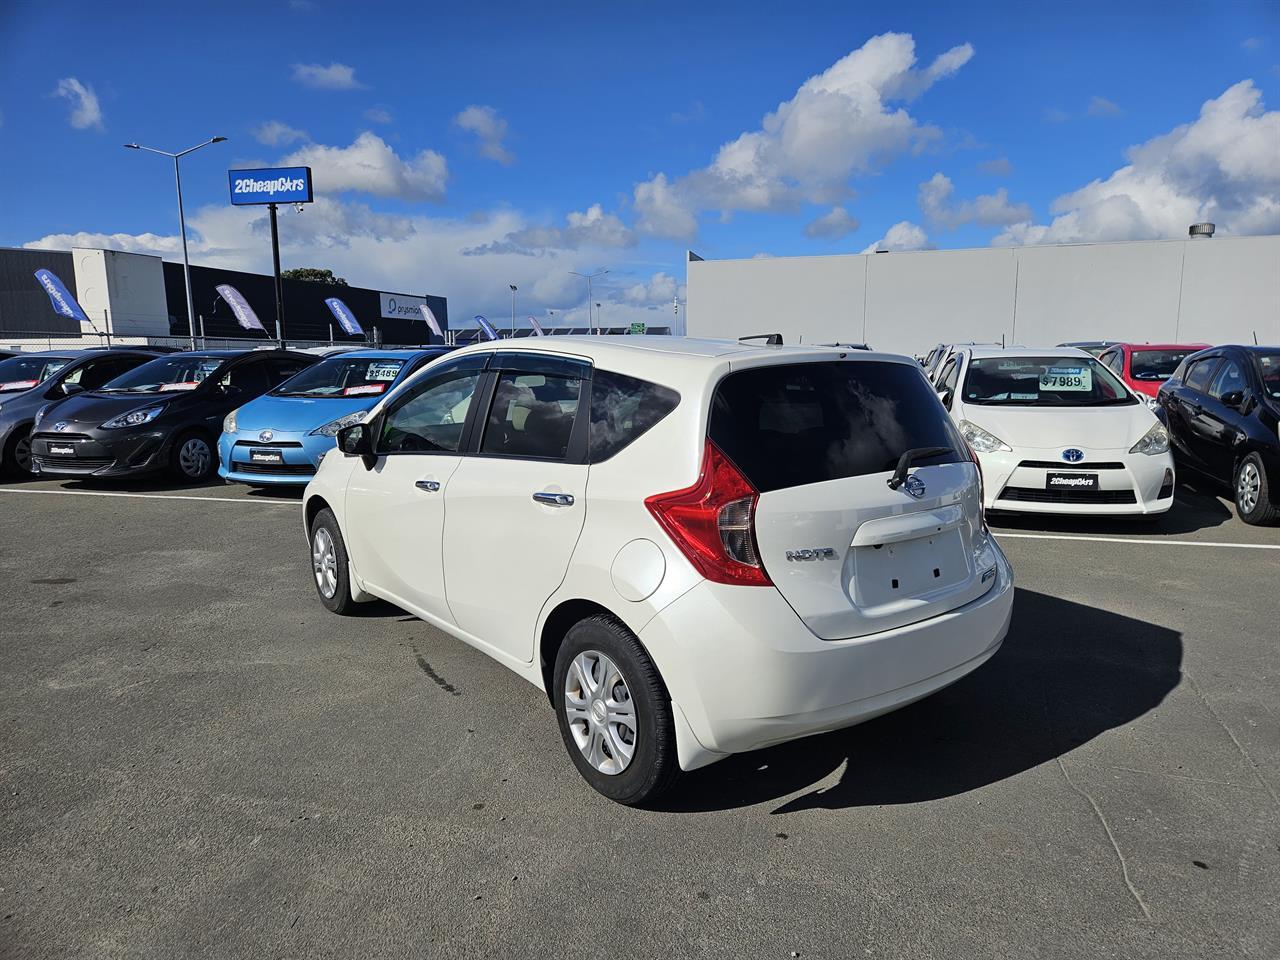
pixel 1144 366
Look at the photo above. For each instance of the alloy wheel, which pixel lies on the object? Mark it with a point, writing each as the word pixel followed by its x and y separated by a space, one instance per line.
pixel 324 561
pixel 22 454
pixel 1248 485
pixel 601 713
pixel 194 457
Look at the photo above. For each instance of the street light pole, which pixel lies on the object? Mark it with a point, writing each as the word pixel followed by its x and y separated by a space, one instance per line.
pixel 589 278
pixel 513 310
pixel 182 221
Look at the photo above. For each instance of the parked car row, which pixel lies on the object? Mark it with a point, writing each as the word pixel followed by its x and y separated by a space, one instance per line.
pixel 1100 430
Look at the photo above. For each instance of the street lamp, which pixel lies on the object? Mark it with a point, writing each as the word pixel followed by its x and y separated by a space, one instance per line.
pixel 513 309
pixel 589 278
pixel 182 221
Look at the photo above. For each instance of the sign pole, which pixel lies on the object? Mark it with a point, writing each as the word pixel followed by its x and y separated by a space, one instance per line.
pixel 275 261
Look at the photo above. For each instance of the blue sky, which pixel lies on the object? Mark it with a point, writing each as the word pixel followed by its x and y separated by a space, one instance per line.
pixel 461 148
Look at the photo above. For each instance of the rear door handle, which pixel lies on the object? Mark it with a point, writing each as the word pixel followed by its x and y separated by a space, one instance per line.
pixel 554 499
pixel 431 486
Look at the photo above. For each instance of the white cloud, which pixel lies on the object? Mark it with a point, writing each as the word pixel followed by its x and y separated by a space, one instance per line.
pixel 1102 107
pixel 839 124
pixel 661 288
pixel 833 224
pixel 86 112
pixel 378 115
pixel 336 76
pixel 1220 167
pixel 273 133
pixel 998 167
pixel 369 165
pixel 1252 43
pixel 1056 115
pixel 590 228
pixel 903 235
pixel 490 129
pixel 988 210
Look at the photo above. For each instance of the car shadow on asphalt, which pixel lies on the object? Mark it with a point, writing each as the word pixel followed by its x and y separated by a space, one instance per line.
pixel 1067 673
pixel 1194 508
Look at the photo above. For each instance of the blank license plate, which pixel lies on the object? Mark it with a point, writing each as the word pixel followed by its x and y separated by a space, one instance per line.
pixel 1071 481
pixel 266 456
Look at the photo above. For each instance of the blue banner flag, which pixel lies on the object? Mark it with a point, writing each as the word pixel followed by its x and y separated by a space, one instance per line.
pixel 64 304
pixel 270 185
pixel 431 320
pixel 240 307
pixel 346 319
pixel 487 327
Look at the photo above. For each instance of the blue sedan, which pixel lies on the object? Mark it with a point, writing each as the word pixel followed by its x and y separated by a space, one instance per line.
pixel 280 438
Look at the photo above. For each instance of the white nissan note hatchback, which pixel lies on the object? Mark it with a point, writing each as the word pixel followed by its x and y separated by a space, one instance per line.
pixel 696 548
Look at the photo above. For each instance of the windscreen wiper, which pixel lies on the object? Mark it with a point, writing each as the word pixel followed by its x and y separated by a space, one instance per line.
pixel 911 456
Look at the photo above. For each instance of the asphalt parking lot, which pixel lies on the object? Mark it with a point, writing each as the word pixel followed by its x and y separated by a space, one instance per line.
pixel 197 760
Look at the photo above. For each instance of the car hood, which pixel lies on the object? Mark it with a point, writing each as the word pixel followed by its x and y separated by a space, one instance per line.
pixel 1096 428
pixel 97 408
pixel 297 414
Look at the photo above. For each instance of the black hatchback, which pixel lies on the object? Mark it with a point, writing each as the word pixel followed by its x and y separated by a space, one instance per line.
pixel 163 415
pixel 1222 407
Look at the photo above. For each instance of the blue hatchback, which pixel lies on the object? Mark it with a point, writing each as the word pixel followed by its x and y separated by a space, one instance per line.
pixel 280 437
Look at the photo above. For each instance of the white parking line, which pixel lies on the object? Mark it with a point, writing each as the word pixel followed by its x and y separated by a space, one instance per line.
pixel 158 496
pixel 1160 543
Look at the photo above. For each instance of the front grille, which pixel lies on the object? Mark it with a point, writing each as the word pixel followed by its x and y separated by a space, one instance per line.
pixel 72 463
pixel 279 469
pixel 1063 465
pixel 1037 495
pixel 60 437
pixel 293 444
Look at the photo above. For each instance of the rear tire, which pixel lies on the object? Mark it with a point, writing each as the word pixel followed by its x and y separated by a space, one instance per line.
pixel 329 569
pixel 1254 503
pixel 193 459
pixel 614 712
pixel 15 462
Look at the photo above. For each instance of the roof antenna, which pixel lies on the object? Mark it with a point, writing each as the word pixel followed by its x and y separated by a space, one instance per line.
pixel 1255 338
pixel 1002 341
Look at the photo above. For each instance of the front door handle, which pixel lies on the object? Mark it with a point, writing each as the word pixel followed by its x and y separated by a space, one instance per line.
pixel 554 499
pixel 431 486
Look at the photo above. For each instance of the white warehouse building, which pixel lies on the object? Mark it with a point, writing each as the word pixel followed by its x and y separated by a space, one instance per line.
pixel 1206 289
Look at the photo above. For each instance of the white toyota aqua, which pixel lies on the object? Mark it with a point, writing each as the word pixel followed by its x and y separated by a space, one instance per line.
pixel 1057 432
pixel 696 548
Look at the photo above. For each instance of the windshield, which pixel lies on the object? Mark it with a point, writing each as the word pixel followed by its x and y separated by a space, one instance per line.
pixel 23 373
pixel 343 377
pixel 168 374
pixel 1269 370
pixel 1047 381
pixel 1157 364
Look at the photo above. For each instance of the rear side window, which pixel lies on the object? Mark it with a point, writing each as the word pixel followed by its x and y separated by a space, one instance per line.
pixel 796 424
pixel 623 409
pixel 532 415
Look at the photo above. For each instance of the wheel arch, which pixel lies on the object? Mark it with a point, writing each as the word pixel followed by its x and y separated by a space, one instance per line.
pixel 315 503
pixel 557 625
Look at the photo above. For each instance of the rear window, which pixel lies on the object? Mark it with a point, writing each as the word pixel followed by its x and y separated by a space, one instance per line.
pixel 796 424
pixel 623 409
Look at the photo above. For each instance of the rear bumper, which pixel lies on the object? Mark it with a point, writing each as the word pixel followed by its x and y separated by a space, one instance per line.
pixel 95 456
pixel 301 454
pixel 1138 484
pixel 745 672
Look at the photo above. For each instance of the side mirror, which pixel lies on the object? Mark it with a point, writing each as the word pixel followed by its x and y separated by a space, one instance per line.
pixel 357 441
pixel 945 396
pixel 231 390
pixel 68 389
pixel 1233 399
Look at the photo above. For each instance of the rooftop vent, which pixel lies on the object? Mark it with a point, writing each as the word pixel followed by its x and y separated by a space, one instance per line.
pixel 1201 230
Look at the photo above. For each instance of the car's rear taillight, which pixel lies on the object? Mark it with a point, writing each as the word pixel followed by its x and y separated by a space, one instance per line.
pixel 713 522
pixel 982 489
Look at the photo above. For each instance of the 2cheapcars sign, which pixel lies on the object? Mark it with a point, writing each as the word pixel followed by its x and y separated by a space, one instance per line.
pixel 270 185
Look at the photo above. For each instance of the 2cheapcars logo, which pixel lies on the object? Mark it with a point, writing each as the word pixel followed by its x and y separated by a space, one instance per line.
pixel 274 185
pixel 1071 481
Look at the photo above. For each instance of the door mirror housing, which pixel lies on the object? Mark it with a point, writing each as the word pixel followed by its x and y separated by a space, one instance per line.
pixel 945 396
pixel 68 389
pixel 357 441
pixel 1233 399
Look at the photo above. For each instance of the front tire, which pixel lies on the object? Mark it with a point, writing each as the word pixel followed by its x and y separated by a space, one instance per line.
pixel 1253 498
pixel 329 564
pixel 193 459
pixel 16 460
pixel 614 712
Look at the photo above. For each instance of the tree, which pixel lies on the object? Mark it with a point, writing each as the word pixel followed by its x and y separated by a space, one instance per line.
pixel 314 274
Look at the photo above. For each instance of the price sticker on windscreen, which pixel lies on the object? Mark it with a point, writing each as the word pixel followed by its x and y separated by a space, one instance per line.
pixel 383 371
pixel 1067 379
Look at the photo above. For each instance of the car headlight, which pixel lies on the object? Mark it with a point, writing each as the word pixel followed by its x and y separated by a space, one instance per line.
pixel 229 421
pixel 981 440
pixel 1154 442
pixel 331 428
pixel 134 418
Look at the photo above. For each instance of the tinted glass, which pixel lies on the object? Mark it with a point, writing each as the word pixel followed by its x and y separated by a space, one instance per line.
pixel 93 375
pixel 1269 371
pixel 430 417
pixel 23 373
pixel 344 377
pixel 1230 379
pixel 1197 377
pixel 1114 361
pixel 281 370
pixel 622 409
pixel 796 424
pixel 175 373
pixel 532 415
pixel 1049 381
pixel 947 381
pixel 249 378
pixel 1156 365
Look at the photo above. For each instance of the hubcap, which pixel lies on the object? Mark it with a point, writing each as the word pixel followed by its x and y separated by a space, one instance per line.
pixel 1248 485
pixel 22 454
pixel 601 713
pixel 194 457
pixel 324 561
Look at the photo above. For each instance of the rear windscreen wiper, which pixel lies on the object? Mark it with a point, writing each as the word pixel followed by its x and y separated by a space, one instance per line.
pixel 911 456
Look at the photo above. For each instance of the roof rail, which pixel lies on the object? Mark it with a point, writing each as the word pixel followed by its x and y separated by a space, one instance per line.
pixel 771 339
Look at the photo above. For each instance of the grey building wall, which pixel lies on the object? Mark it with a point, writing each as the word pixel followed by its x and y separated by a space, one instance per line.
pixel 1217 291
